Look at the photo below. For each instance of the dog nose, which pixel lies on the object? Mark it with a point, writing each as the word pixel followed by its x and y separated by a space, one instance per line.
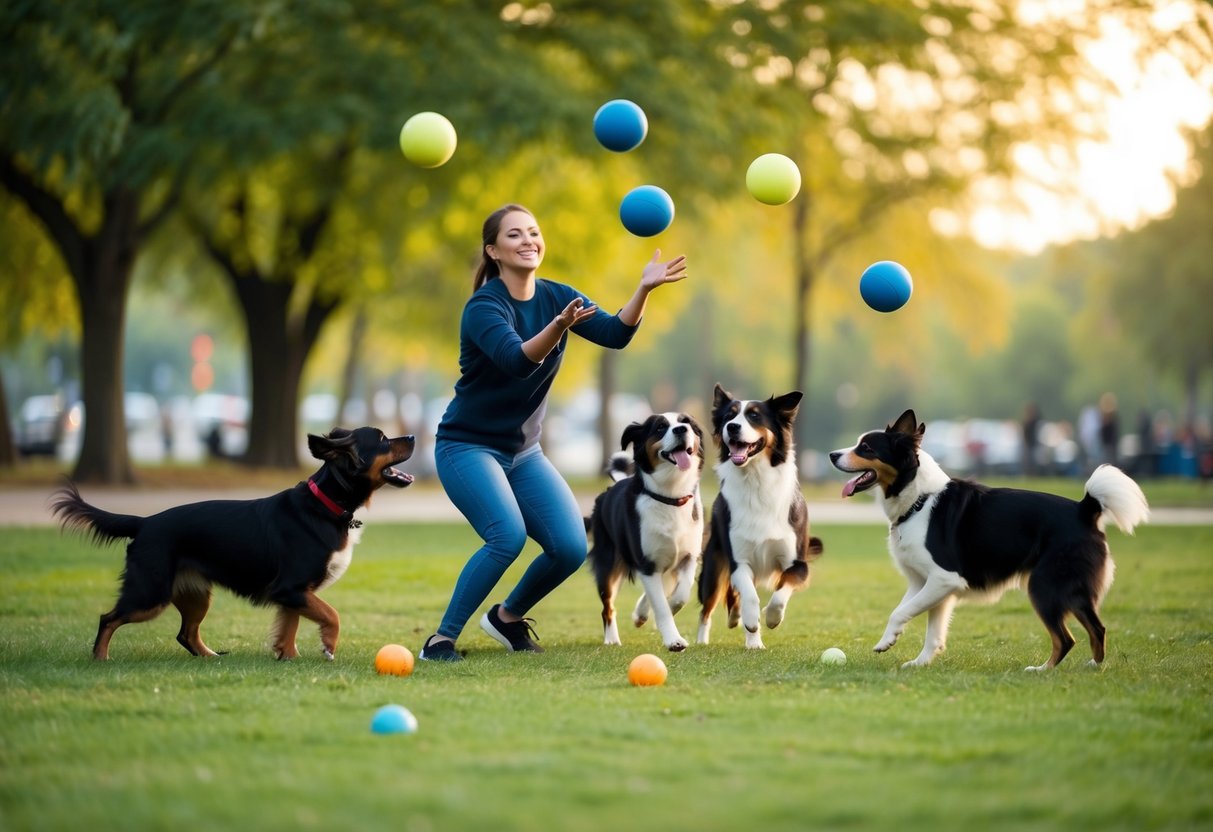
pixel 680 429
pixel 834 455
pixel 734 428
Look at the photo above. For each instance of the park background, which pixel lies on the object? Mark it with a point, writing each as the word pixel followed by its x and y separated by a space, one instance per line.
pixel 210 243
pixel 209 231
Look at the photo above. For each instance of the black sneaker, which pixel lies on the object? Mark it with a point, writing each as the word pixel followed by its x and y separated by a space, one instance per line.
pixel 516 636
pixel 439 651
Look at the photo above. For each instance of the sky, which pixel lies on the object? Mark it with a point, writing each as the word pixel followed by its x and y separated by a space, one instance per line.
pixel 1122 182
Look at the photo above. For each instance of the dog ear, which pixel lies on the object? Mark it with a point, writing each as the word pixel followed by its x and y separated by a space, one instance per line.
pixel 787 404
pixel 906 423
pixel 720 396
pixel 336 444
pixel 633 433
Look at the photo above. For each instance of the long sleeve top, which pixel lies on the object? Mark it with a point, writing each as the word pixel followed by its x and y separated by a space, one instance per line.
pixel 501 395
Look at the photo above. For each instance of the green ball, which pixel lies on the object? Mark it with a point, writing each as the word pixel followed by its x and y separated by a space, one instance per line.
pixel 832 655
pixel 428 140
pixel 773 179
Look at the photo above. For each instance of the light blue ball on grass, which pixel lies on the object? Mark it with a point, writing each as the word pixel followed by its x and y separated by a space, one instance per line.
pixel 393 719
pixel 620 125
pixel 646 211
pixel 886 286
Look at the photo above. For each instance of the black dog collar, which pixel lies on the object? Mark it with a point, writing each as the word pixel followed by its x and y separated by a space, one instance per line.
pixel 918 504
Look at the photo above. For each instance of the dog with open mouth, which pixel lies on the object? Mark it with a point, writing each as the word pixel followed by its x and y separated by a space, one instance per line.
pixel 760 523
pixel 279 550
pixel 648 525
pixel 958 540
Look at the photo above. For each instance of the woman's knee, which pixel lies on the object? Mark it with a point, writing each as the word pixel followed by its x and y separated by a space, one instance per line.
pixel 569 553
pixel 505 541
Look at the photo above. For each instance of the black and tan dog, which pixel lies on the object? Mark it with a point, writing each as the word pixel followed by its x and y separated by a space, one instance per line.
pixel 279 550
pixel 649 525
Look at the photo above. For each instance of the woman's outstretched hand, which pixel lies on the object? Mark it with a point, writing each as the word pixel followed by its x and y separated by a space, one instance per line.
pixel 657 273
pixel 575 313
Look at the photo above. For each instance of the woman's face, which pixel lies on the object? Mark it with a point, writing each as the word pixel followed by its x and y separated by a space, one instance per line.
pixel 519 245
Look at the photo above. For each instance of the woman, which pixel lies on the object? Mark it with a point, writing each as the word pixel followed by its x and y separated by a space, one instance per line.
pixel 512 340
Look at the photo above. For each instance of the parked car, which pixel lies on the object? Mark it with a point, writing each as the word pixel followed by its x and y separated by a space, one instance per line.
pixel 41 425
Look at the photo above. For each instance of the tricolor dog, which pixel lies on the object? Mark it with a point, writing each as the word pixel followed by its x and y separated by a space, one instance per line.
pixel 279 550
pixel 953 539
pixel 760 524
pixel 649 524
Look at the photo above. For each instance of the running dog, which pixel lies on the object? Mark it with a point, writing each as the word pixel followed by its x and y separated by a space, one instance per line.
pixel 649 524
pixel 953 539
pixel 760 523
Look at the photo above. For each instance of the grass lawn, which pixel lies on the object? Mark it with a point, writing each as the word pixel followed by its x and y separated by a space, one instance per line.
pixel 157 739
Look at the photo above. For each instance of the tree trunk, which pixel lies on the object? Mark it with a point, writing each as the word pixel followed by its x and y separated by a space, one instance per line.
pixel 8 447
pixel 279 344
pixel 804 286
pixel 103 278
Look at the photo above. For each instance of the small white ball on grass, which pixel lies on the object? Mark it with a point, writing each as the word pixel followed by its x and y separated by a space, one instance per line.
pixel 832 655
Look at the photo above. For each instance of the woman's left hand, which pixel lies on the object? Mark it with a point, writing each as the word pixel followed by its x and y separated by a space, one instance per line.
pixel 657 273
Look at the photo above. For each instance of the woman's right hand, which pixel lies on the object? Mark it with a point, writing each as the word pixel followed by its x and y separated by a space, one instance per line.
pixel 575 313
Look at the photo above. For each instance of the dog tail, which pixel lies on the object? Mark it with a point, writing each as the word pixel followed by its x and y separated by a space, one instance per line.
pixel 74 513
pixel 1111 492
pixel 620 466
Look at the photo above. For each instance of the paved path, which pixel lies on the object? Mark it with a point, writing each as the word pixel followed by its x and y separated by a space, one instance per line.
pixel 29 507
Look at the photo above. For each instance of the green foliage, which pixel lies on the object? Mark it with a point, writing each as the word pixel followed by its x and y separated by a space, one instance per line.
pixel 156 738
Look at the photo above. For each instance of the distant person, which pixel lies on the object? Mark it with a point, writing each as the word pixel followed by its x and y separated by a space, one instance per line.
pixel 1147 449
pixel 1031 439
pixel 512 340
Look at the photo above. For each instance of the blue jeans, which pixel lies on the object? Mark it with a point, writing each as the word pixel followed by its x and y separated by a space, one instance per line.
pixel 508 498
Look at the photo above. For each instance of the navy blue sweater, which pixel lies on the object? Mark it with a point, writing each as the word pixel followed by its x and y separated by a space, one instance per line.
pixel 501 396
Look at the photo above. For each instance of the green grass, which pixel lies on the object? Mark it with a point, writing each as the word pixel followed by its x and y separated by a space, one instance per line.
pixel 156 739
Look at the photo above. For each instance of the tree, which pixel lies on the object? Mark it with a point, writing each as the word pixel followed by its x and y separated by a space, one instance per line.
pixel 103 108
pixel 889 103
pixel 1161 279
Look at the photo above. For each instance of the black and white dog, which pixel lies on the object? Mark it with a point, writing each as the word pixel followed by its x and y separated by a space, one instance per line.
pixel 760 524
pixel 649 524
pixel 954 539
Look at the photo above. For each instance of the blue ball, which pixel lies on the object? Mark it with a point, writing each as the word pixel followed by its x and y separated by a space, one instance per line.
pixel 646 210
pixel 620 125
pixel 393 719
pixel 885 286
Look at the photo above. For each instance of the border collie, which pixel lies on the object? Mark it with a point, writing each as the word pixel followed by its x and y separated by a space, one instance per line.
pixel 278 550
pixel 760 524
pixel 953 539
pixel 649 524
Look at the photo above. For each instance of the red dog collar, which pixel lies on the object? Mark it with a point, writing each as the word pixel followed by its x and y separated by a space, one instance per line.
pixel 324 498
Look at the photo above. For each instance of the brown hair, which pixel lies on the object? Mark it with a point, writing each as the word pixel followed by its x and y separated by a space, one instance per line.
pixel 487 270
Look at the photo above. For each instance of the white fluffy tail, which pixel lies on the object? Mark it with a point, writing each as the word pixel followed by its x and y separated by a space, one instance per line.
pixel 1120 497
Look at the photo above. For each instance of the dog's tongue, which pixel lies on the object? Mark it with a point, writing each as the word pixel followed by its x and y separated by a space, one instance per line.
pixel 682 459
pixel 848 487
pixel 740 453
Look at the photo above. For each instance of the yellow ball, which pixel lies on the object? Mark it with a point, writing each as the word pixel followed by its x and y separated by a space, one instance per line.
pixel 394 660
pixel 428 140
pixel 773 179
pixel 646 669
pixel 832 655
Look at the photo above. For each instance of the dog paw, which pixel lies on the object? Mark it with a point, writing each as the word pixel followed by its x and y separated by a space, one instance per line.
pixel 328 654
pixel 676 604
pixel 919 662
pixel 1037 668
pixel 883 645
pixel 639 621
pixel 677 646
pixel 753 641
pixel 774 616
